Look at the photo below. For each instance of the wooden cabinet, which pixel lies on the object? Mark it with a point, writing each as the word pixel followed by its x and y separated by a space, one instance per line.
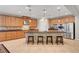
pixel 2 21
pixel 2 36
pixel 14 35
pixel 33 23
pixel 11 21
pixel 20 34
pixel 16 21
pixel 8 21
pixel 63 20
pixel 8 35
pixel 19 22
pixel 11 35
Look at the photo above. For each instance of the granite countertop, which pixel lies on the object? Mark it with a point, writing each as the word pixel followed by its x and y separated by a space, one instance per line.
pixel 46 32
pixel 9 30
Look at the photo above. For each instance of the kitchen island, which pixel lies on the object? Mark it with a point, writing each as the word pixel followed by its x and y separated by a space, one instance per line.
pixel 44 34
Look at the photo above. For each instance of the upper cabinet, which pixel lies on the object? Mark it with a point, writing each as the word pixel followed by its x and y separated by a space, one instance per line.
pixel 33 23
pixel 2 21
pixel 66 19
pixel 19 21
pixel 7 21
pixel 11 21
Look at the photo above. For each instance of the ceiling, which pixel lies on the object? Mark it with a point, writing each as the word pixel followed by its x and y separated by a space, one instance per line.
pixel 37 10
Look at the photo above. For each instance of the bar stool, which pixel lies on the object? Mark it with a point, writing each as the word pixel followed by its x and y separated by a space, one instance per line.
pixel 47 39
pixel 61 39
pixel 30 39
pixel 40 41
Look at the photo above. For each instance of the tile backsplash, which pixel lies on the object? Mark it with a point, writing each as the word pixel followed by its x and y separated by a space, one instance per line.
pixel 10 28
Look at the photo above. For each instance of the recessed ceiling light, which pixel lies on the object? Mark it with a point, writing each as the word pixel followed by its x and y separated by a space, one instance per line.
pixel 26 8
pixel 29 20
pixel 59 21
pixel 58 8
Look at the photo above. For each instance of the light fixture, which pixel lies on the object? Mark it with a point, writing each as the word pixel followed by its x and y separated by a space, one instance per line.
pixel 26 8
pixel 29 9
pixel 44 12
pixel 29 20
pixel 59 21
pixel 58 8
pixel 42 20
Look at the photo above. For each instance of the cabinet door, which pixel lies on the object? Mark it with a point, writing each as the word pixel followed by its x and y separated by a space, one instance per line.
pixel 13 35
pixel 2 36
pixel 19 34
pixel 22 34
pixel 8 21
pixel 17 21
pixel 2 21
pixel 8 35
pixel 53 21
pixel 13 21
pixel 33 23
pixel 20 22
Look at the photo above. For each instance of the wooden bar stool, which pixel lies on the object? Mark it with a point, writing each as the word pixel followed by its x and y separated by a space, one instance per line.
pixel 40 40
pixel 47 39
pixel 30 39
pixel 60 41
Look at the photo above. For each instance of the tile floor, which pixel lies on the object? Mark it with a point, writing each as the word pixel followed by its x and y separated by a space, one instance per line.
pixel 20 46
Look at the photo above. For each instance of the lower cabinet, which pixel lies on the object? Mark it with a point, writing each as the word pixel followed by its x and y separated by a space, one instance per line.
pixel 10 35
pixel 19 34
pixel 2 36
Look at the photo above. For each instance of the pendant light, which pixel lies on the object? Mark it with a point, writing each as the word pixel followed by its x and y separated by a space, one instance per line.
pixel 59 9
pixel 29 10
pixel 44 12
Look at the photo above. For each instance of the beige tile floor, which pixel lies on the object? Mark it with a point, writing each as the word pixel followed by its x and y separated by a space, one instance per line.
pixel 20 46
